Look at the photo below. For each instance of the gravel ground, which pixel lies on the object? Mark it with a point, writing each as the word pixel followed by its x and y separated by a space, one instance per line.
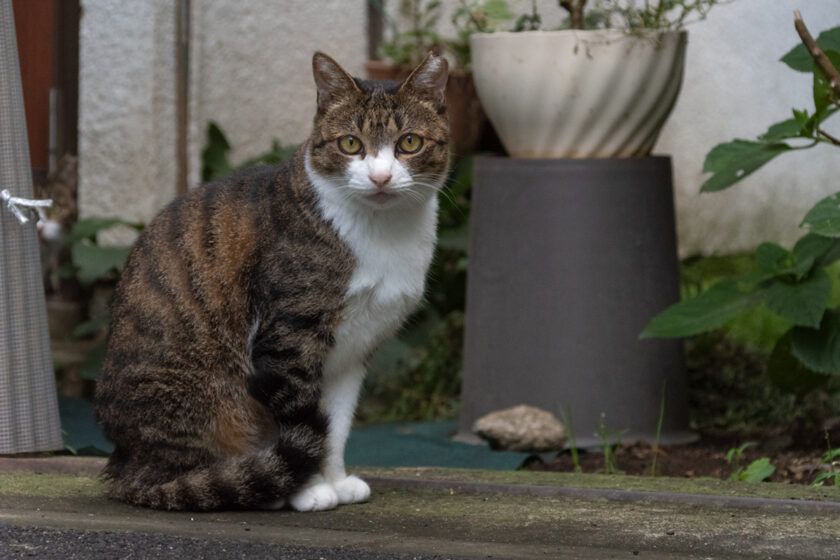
pixel 19 543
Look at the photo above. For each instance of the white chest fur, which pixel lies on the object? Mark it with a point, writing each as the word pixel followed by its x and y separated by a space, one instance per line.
pixel 393 248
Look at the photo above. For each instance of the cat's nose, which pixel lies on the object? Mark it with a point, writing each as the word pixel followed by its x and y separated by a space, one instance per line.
pixel 380 179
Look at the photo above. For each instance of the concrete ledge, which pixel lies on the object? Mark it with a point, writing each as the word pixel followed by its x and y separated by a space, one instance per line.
pixel 53 465
pixel 463 514
pixel 621 488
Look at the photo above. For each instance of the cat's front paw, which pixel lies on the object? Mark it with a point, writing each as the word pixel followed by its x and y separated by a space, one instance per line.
pixel 316 497
pixel 351 490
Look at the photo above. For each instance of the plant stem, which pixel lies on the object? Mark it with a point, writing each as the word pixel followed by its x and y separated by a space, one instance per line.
pixel 828 456
pixel 575 9
pixel 479 26
pixel 658 15
pixel 655 449
pixel 570 430
pixel 834 140
pixel 817 53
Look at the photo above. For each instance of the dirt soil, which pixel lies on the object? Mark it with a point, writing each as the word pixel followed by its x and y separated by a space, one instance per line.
pixel 731 402
pixel 797 456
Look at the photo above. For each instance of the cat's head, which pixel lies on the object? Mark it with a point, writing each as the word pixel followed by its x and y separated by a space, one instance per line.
pixel 380 143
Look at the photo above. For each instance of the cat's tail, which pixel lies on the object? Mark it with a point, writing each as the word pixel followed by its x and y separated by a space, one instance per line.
pixel 261 480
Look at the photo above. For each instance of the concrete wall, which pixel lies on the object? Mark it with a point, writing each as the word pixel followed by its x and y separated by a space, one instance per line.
pixel 126 108
pixel 251 73
pixel 735 87
pixel 252 67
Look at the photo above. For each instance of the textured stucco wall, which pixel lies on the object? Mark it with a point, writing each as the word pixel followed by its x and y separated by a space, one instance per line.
pixel 250 71
pixel 735 87
pixel 252 67
pixel 126 108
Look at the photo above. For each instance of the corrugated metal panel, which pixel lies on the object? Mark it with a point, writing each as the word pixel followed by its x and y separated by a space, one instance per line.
pixel 29 418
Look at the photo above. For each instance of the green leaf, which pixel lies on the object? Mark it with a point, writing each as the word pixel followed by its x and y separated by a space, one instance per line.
pixel 89 227
pixel 758 470
pixel 800 60
pixel 831 256
pixel 817 119
pixel 819 349
pixel 214 162
pixel 813 247
pixel 791 128
pixel 455 238
pixel 788 373
pixel 497 9
pixel 93 326
pixel 95 262
pixel 773 259
pixel 801 303
pixel 824 94
pixel 94 359
pixel 822 477
pixel 738 451
pixel 277 154
pixel 708 311
pixel 824 218
pixel 732 161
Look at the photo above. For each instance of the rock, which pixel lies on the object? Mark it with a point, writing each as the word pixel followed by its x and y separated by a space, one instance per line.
pixel 521 428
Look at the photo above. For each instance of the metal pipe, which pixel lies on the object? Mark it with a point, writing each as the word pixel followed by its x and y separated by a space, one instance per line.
pixel 182 98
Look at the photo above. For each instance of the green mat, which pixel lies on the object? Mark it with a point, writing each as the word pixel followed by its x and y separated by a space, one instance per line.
pixel 427 444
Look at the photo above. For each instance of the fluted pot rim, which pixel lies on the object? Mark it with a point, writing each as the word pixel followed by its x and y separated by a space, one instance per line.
pixel 578 93
pixel 614 31
pixel 609 35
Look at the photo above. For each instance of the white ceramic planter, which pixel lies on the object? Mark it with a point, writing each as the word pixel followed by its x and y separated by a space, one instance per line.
pixel 578 94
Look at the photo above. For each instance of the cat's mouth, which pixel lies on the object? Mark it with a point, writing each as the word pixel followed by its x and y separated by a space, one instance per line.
pixel 381 197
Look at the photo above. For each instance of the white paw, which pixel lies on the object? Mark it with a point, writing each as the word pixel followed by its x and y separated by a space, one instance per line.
pixel 351 490
pixel 315 497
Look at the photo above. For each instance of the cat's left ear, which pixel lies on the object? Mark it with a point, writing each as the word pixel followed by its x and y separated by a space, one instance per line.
pixel 332 80
pixel 428 80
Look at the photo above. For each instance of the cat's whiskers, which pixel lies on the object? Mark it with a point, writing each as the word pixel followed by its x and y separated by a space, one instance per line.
pixel 442 186
pixel 436 186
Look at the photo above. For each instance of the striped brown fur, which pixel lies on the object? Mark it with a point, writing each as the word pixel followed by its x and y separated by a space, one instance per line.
pixel 184 396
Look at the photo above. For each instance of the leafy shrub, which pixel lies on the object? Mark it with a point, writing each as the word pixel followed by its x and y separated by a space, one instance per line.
pixel 214 156
pixel 95 268
pixel 797 285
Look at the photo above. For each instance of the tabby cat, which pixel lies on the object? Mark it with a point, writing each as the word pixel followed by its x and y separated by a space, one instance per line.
pixel 247 308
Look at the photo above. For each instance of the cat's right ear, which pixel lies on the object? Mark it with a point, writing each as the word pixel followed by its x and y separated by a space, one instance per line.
pixel 332 80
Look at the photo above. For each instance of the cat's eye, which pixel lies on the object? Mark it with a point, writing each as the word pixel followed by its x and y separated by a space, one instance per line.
pixel 409 144
pixel 350 145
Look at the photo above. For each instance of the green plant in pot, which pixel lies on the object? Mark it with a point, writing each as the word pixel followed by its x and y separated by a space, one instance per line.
pixel 579 92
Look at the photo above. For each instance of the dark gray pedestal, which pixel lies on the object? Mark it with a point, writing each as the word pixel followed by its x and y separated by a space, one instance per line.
pixel 569 260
